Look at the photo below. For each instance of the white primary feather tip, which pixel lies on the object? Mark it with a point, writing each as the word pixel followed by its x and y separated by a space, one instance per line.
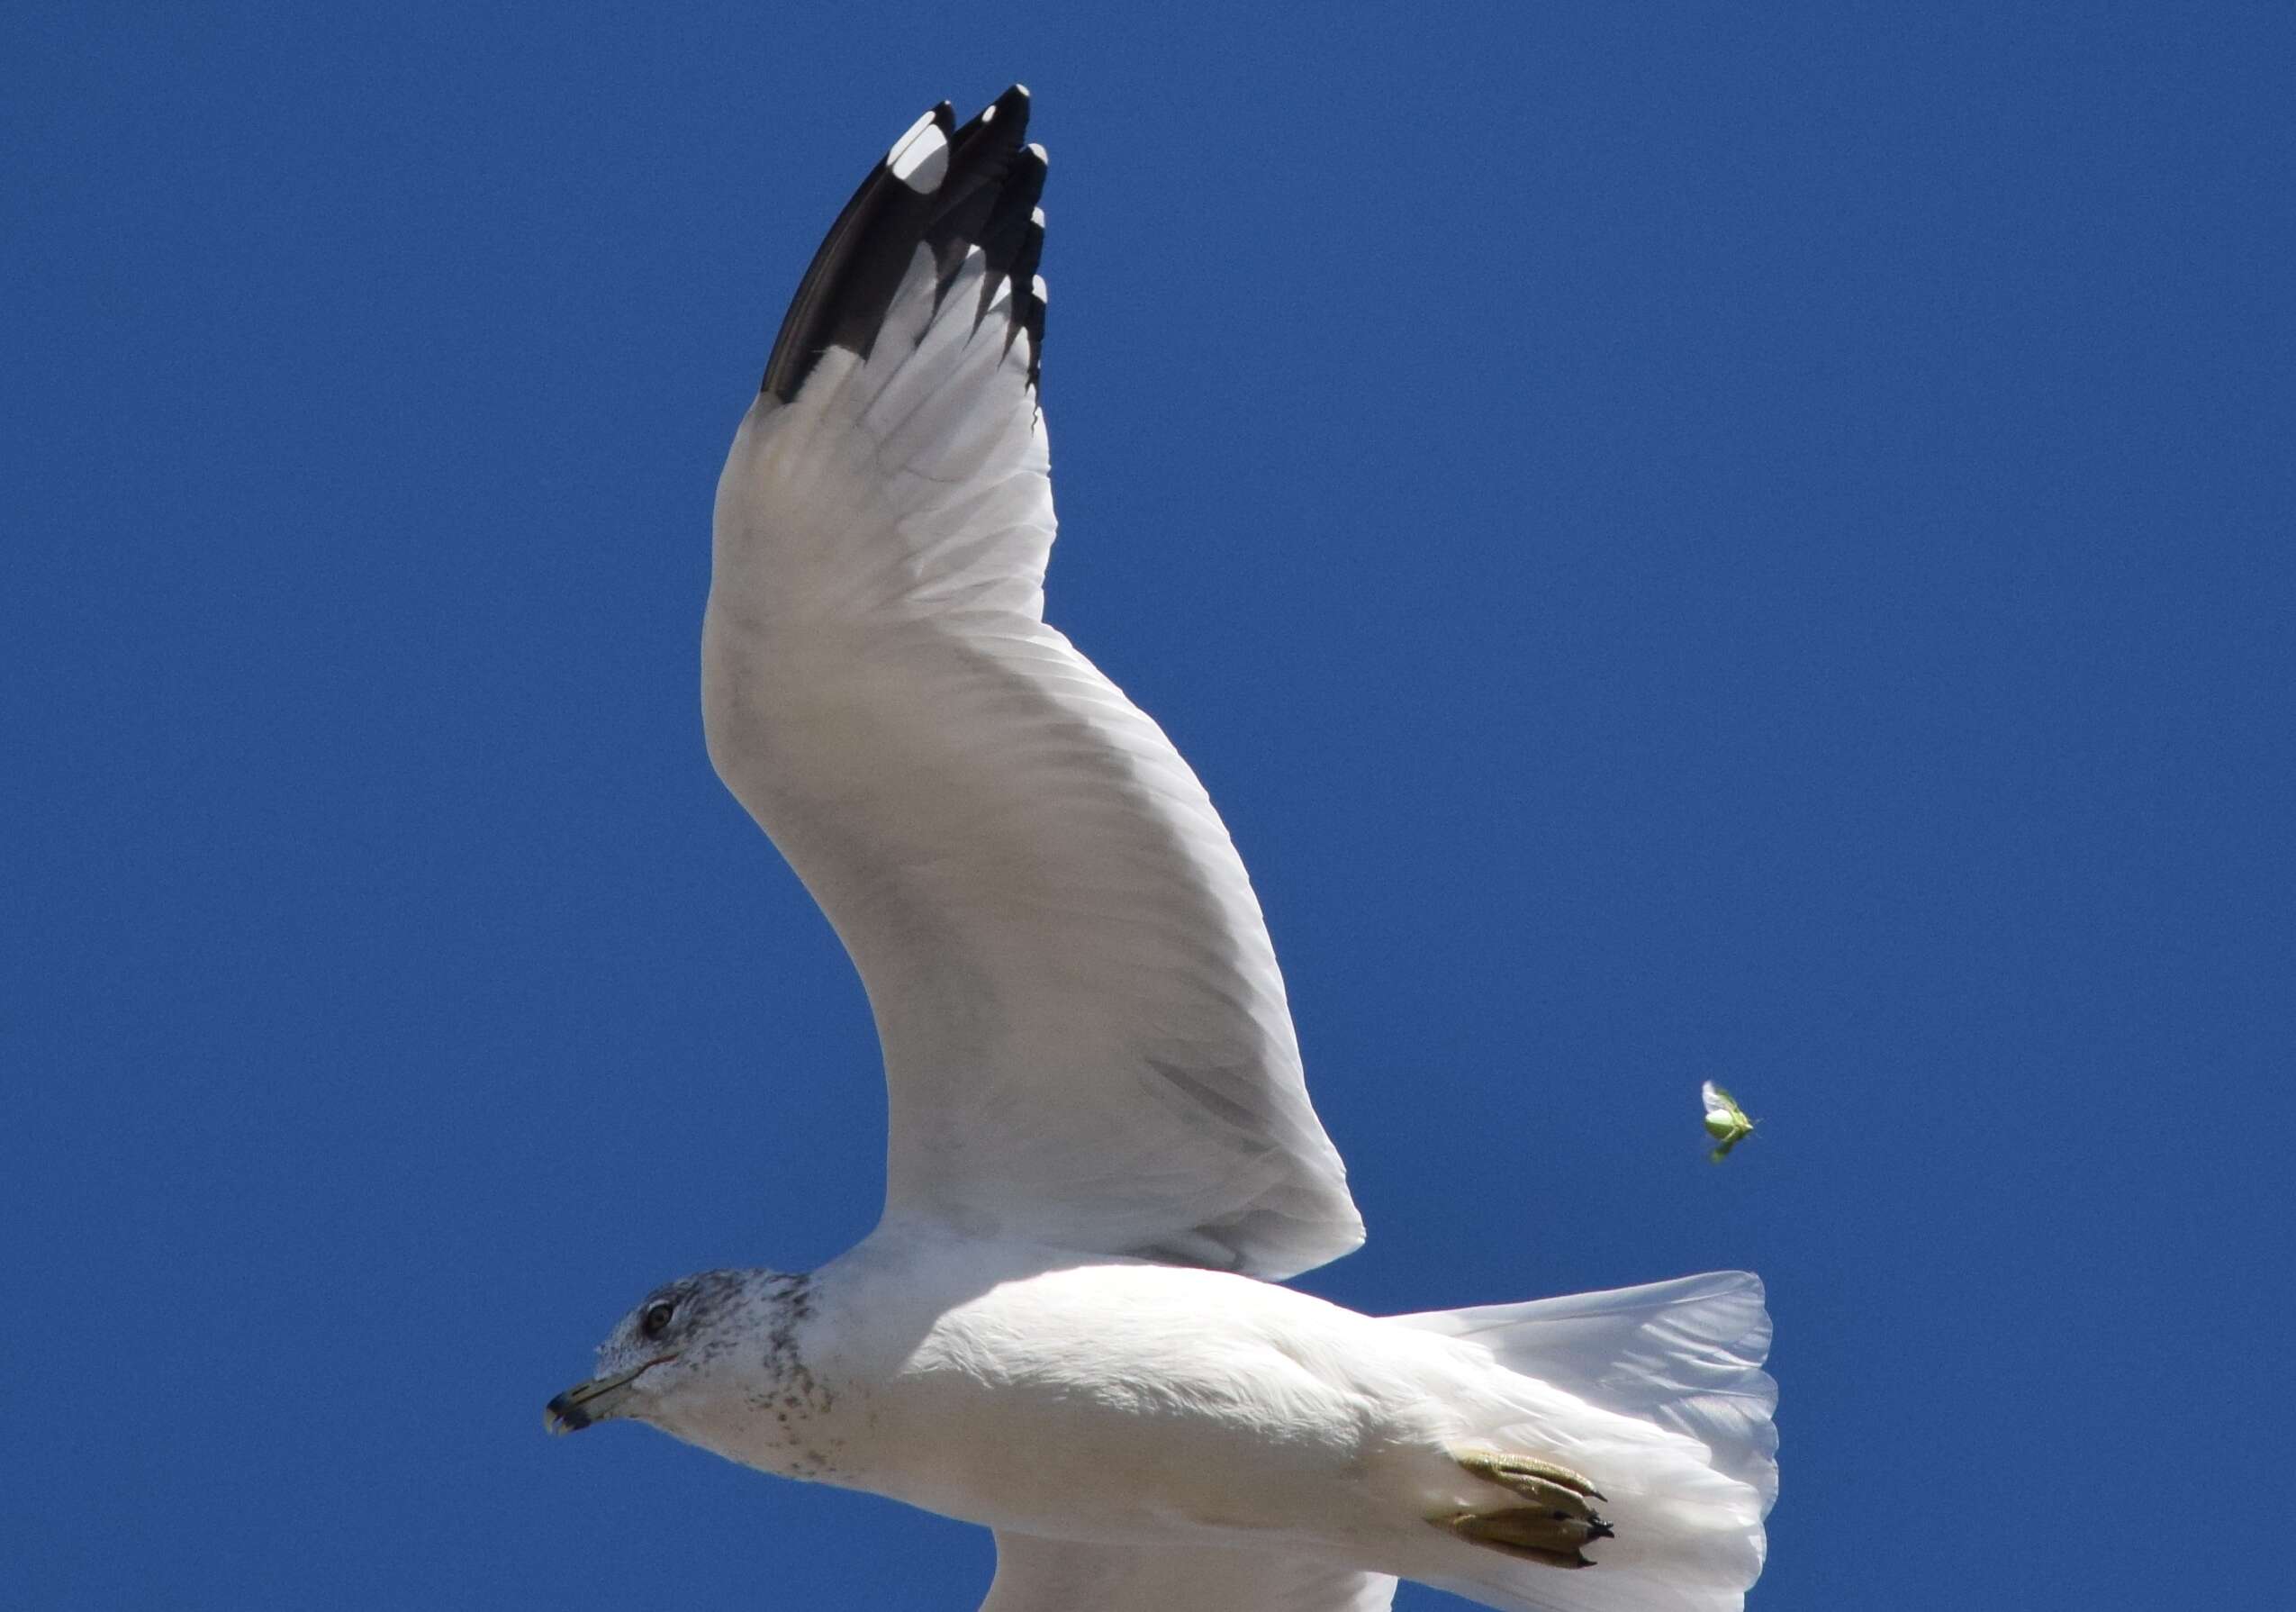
pixel 920 158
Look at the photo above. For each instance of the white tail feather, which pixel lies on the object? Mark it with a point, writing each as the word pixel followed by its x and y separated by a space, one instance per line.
pixel 1681 1358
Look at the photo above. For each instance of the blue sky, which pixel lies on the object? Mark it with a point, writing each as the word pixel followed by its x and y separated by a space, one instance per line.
pixel 1685 541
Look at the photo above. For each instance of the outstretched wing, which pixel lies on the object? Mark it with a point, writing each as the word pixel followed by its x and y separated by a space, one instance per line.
pixel 1061 1575
pixel 1085 1034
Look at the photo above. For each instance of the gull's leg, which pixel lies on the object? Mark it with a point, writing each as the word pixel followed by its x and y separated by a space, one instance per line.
pixel 1550 1529
pixel 1527 1475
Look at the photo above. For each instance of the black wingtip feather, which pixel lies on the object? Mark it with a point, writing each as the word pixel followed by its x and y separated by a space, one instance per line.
pixel 984 199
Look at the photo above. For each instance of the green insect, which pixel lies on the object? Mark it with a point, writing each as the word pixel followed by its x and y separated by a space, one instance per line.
pixel 1726 1122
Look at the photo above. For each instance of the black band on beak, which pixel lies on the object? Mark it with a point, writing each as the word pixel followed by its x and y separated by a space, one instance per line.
pixel 564 1415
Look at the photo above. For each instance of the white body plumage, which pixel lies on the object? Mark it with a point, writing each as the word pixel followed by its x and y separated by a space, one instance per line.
pixel 1124 1403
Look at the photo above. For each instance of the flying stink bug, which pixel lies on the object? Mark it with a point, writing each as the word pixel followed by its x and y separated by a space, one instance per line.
pixel 1726 1122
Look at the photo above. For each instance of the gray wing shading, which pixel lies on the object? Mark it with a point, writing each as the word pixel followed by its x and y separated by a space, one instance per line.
pixel 1085 1034
pixel 1063 1575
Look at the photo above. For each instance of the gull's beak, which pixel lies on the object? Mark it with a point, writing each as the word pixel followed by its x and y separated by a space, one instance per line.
pixel 599 1400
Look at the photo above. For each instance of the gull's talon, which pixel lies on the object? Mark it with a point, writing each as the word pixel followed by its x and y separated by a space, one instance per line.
pixel 1549 1530
pixel 1523 1533
pixel 1527 1475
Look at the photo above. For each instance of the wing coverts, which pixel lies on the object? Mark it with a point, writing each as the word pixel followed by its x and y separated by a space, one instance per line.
pixel 1085 1033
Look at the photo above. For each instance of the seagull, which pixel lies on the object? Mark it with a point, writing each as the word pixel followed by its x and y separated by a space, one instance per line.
pixel 1069 1324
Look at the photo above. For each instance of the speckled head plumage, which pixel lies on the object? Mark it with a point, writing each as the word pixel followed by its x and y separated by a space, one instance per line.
pixel 668 1351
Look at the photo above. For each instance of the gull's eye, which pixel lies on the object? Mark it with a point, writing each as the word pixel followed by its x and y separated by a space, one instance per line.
pixel 656 1321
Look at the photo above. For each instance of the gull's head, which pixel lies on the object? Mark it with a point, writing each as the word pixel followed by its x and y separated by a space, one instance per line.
pixel 661 1358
